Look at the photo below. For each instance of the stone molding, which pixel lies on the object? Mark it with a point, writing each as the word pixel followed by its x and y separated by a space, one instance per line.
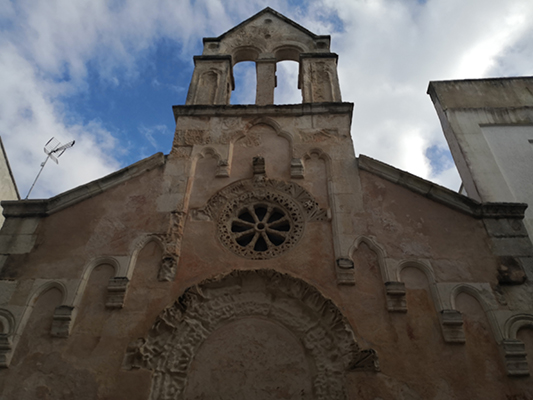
pixel 253 110
pixel 180 330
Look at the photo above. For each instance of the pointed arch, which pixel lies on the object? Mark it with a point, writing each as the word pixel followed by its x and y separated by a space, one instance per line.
pixel 489 305
pixel 373 244
pixel 138 245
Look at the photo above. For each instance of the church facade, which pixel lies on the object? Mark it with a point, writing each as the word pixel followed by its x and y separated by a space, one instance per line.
pixel 261 259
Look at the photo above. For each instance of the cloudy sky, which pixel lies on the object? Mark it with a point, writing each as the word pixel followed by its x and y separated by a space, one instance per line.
pixel 106 73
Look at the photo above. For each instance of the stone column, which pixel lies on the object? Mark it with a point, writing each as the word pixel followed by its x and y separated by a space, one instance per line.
pixel 212 81
pixel 318 78
pixel 266 81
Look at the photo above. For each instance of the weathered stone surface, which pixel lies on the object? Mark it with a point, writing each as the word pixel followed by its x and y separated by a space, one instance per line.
pixel 515 357
pixel 200 319
pixel 116 292
pixel 61 323
pixel 452 326
pixel 318 326
pixel 396 301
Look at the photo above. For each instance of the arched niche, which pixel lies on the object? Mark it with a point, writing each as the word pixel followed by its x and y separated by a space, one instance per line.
pixel 261 299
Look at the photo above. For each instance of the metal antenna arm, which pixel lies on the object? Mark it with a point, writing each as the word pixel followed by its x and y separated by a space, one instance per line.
pixel 39 174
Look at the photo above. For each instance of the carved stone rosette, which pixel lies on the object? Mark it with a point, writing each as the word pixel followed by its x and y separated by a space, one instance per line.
pixel 315 321
pixel 261 218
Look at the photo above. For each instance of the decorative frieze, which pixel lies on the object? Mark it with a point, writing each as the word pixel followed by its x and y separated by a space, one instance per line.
pixel 116 292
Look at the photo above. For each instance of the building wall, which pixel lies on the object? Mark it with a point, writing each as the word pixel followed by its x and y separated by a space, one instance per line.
pixel 369 283
pixel 489 126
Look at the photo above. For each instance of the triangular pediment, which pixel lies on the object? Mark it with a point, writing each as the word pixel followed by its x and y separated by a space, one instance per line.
pixel 265 13
pixel 267 33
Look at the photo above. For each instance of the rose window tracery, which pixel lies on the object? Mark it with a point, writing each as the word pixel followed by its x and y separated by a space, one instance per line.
pixel 261 225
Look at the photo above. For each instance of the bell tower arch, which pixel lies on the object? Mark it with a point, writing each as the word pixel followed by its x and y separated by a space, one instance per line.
pixel 265 39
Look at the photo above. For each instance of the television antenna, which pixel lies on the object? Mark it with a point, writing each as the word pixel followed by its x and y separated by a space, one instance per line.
pixel 53 149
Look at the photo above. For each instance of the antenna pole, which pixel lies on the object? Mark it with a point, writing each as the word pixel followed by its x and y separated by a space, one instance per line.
pixel 39 174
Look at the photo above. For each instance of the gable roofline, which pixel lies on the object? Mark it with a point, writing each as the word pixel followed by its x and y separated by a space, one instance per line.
pixel 259 14
pixel 45 207
pixel 439 193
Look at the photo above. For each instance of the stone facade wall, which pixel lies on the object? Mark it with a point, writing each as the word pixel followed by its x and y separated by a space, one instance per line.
pixel 260 259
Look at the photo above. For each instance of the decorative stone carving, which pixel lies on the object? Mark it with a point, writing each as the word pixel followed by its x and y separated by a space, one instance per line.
pixel 182 151
pixel 5 349
pixel 316 322
pixel 318 135
pixel 61 321
pixel 245 138
pixel 297 168
pixel 309 205
pixel 452 326
pixel 514 353
pixel 396 301
pixel 172 246
pixel 191 137
pixel 116 292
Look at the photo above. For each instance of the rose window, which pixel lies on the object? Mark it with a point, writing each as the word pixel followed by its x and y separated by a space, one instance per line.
pixel 261 229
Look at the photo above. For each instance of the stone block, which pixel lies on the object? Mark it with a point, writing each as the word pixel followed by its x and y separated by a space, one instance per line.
pixel 517 247
pixel 345 271
pixel 297 168
pixel 16 244
pixel 514 353
pixel 527 264
pixel 116 292
pixel 396 300
pixel 5 350
pixel 222 169
pixel 452 326
pixel 505 227
pixel 61 321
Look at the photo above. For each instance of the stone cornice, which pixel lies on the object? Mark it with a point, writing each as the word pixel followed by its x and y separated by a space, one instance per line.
pixel 44 207
pixel 267 110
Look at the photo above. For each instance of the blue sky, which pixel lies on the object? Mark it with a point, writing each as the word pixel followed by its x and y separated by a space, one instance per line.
pixel 106 74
